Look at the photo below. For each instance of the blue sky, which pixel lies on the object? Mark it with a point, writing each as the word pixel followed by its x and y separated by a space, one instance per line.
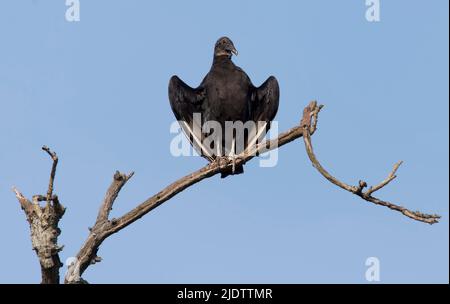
pixel 96 92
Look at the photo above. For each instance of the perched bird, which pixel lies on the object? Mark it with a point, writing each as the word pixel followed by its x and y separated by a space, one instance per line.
pixel 226 94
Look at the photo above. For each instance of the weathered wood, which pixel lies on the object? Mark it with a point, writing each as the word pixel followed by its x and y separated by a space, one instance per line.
pixel 44 228
pixel 103 228
pixel 44 219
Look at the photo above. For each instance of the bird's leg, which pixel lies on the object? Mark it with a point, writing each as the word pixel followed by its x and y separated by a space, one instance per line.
pixel 232 155
pixel 221 157
pixel 259 137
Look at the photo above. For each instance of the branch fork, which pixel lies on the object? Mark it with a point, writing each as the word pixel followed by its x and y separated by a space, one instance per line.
pixel 309 122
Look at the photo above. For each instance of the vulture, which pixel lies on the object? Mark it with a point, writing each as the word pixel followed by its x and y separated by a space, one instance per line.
pixel 225 97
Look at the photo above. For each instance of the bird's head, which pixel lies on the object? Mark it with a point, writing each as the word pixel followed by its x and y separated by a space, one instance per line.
pixel 225 47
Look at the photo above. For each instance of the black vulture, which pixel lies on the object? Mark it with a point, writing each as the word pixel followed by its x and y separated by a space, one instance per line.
pixel 226 94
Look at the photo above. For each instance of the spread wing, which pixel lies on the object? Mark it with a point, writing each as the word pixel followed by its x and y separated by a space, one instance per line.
pixel 264 104
pixel 185 102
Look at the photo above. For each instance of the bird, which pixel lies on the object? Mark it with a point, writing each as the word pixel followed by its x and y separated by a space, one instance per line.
pixel 226 94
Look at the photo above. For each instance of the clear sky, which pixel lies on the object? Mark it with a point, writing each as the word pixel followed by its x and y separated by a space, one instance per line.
pixel 96 92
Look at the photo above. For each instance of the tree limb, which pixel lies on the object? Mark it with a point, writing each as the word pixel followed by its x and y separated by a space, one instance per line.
pixel 119 180
pixel 308 125
pixel 44 226
pixel 103 229
pixel 52 172
pixel 358 190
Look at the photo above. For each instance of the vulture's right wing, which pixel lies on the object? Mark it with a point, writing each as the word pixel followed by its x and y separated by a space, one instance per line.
pixel 185 101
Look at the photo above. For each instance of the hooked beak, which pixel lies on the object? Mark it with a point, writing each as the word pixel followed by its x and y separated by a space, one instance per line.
pixel 232 49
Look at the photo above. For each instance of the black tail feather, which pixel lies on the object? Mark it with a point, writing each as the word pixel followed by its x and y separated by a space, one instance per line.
pixel 239 169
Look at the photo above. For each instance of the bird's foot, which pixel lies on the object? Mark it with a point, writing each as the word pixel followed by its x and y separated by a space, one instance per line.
pixel 222 162
pixel 225 161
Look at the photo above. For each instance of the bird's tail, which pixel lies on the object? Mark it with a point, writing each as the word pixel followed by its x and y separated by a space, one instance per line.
pixel 239 169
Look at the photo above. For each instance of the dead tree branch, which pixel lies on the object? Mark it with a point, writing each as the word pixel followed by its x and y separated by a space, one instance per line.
pixel 52 172
pixel 119 180
pixel 358 190
pixel 44 226
pixel 44 220
pixel 104 227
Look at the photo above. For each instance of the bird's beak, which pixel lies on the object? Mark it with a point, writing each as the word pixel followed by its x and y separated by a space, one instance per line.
pixel 232 49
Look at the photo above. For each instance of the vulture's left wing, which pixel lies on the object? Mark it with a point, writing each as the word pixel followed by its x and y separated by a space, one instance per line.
pixel 264 105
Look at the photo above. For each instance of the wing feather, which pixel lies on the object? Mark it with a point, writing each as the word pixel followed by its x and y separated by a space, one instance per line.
pixel 185 101
pixel 264 105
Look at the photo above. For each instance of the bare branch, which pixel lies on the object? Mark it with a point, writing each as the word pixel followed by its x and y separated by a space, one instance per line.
pixel 321 169
pixel 52 172
pixel 104 227
pixel 24 202
pixel 209 170
pixel 390 178
pixel 416 215
pixel 311 116
pixel 44 226
pixel 119 180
